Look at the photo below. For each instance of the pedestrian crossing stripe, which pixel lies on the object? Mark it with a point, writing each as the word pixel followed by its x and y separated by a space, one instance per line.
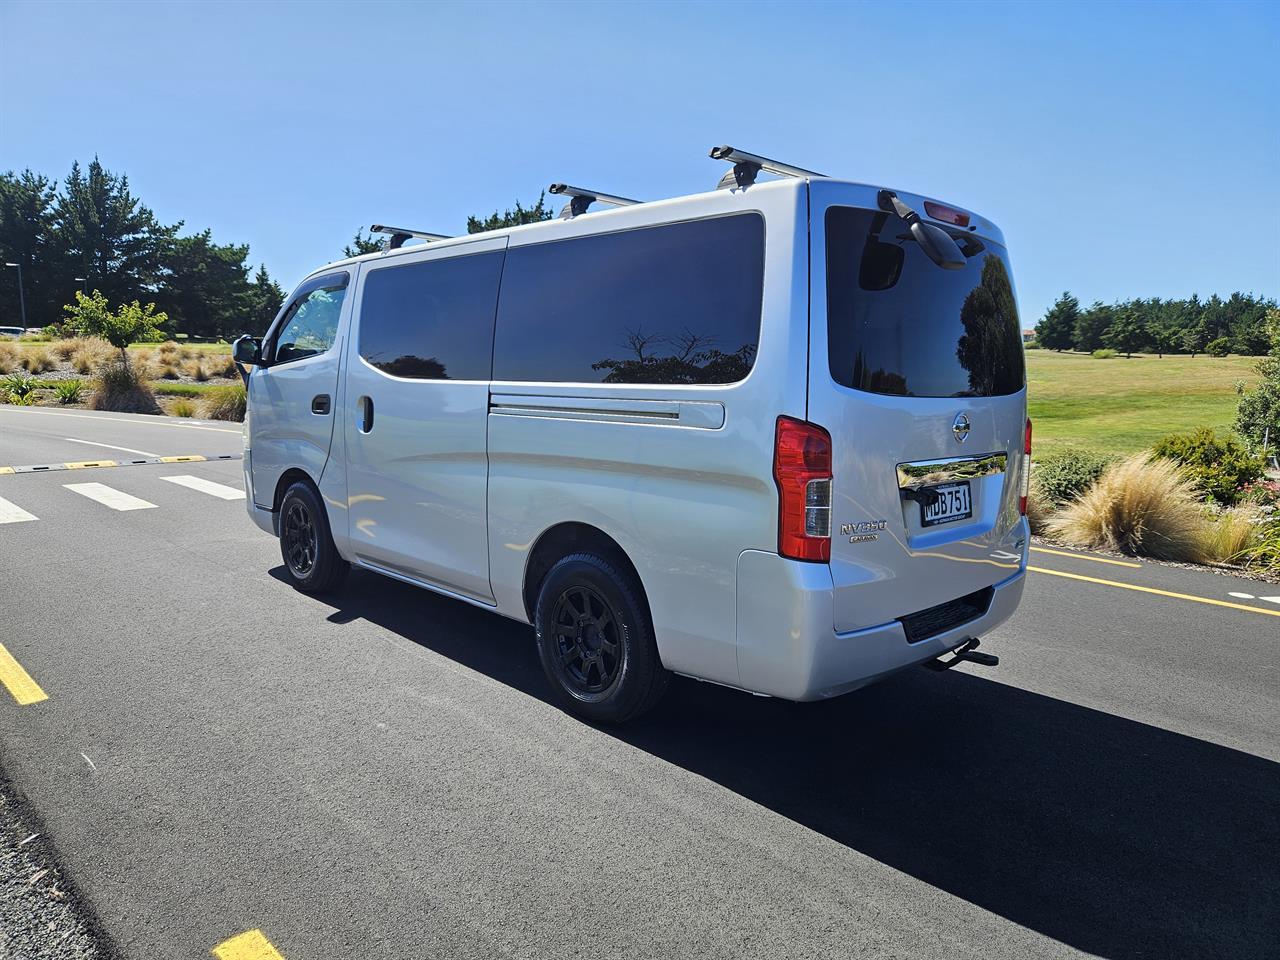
pixel 95 464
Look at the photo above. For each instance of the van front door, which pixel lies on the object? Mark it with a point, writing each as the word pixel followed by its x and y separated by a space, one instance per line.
pixel 416 413
pixel 292 397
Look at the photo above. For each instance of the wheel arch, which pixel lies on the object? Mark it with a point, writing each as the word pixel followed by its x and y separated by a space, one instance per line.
pixel 571 537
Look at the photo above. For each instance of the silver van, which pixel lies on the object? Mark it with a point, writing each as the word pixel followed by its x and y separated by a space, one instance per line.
pixel 773 436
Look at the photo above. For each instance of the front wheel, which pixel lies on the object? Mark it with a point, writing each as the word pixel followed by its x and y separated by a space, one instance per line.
pixel 306 545
pixel 595 640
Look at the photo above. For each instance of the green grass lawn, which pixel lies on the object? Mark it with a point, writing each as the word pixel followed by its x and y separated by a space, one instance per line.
pixel 1122 406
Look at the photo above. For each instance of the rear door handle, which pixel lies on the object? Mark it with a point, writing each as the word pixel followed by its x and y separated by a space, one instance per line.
pixel 320 404
pixel 364 409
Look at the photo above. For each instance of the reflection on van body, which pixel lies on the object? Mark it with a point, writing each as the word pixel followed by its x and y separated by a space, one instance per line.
pixel 645 431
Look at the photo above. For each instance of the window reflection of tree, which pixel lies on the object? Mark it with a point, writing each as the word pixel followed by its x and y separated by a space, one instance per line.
pixel 413 368
pixel 990 350
pixel 688 357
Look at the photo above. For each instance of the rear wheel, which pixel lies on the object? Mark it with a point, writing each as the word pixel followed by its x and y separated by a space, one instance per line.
pixel 595 640
pixel 306 545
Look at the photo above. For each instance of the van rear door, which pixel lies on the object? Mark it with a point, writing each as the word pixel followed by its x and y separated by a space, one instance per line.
pixel 918 374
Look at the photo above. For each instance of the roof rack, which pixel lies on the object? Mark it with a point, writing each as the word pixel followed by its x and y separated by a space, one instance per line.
pixel 399 235
pixel 580 199
pixel 747 165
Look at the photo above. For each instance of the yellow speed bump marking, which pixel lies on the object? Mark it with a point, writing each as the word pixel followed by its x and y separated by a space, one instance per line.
pixel 6 469
pixel 1158 593
pixel 251 945
pixel 18 682
pixel 86 464
pixel 1087 556
pixel 181 459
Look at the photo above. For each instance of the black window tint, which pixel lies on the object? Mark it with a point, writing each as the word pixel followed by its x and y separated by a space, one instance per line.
pixel 432 320
pixel 899 324
pixel 672 304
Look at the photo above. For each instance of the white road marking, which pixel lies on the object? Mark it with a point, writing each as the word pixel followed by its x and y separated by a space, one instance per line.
pixel 91 764
pixel 111 446
pixel 1241 596
pixel 12 513
pixel 108 496
pixel 206 486
pixel 160 421
pixel 1270 599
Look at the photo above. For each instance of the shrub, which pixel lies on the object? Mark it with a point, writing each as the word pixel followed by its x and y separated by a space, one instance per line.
pixel 1264 552
pixel 1261 493
pixel 1031 345
pixel 37 359
pixel 1228 537
pixel 1064 476
pixel 18 386
pixel 63 349
pixel 120 386
pixel 89 355
pixel 1219 467
pixel 1139 506
pixel 1039 509
pixel 225 403
pixel 1105 353
pixel 1218 348
pixel 182 407
pixel 8 356
pixel 68 391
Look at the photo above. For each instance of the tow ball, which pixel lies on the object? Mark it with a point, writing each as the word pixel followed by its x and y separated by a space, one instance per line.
pixel 967 652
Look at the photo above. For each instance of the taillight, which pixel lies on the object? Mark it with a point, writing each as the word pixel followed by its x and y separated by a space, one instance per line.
pixel 1026 470
pixel 946 214
pixel 802 469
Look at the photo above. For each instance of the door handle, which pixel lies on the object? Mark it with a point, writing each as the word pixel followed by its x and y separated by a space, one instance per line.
pixel 364 406
pixel 320 404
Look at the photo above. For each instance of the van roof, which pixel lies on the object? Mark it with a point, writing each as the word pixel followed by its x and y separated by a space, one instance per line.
pixel 662 209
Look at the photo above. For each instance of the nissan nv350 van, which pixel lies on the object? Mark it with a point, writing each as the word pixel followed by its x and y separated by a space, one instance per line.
pixel 773 436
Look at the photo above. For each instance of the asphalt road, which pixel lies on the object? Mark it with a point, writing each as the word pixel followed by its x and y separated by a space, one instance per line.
pixel 378 774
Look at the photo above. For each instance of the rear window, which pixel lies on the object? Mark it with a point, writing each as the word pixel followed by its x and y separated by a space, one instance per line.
pixel 432 320
pixel 678 304
pixel 899 324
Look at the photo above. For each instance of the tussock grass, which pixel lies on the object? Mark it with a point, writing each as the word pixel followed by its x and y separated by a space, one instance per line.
pixel 225 403
pixel 8 357
pixel 122 387
pixel 1140 506
pixel 1039 508
pixel 196 371
pixel 63 349
pixel 37 358
pixel 182 407
pixel 1229 536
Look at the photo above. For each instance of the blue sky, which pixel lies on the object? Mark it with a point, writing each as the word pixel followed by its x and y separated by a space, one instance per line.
pixel 1125 149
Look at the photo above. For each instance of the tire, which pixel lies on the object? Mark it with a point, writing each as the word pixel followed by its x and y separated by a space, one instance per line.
pixel 595 640
pixel 311 560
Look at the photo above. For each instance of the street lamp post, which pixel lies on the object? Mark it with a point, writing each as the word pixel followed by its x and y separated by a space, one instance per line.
pixel 22 300
pixel 85 281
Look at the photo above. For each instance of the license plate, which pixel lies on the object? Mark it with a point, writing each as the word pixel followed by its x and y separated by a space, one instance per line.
pixel 950 503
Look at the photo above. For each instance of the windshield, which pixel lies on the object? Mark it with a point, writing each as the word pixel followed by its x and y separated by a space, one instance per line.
pixel 899 324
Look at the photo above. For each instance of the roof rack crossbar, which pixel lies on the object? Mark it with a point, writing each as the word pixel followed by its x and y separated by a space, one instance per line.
pixel 399 235
pixel 580 199
pixel 747 165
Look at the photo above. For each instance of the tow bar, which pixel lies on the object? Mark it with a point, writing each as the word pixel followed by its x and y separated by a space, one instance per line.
pixel 968 652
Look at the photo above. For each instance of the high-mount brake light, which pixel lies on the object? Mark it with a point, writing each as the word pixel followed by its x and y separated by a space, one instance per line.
pixel 946 214
pixel 802 470
pixel 1026 470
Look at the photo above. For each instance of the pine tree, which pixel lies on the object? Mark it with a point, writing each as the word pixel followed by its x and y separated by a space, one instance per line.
pixel 1057 331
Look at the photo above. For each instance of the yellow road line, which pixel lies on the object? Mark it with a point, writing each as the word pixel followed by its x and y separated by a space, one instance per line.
pixel 181 459
pixel 6 469
pixel 19 683
pixel 1159 593
pixel 251 945
pixel 85 464
pixel 1086 556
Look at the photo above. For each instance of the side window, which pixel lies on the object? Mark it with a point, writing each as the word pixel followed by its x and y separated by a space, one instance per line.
pixel 432 320
pixel 310 325
pixel 678 303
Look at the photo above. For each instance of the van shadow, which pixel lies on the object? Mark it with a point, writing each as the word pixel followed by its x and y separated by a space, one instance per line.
pixel 1115 837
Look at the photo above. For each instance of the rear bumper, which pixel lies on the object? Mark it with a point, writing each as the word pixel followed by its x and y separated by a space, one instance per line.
pixel 787 646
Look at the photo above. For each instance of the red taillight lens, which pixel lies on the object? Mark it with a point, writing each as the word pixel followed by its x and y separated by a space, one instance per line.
pixel 946 214
pixel 1026 470
pixel 802 469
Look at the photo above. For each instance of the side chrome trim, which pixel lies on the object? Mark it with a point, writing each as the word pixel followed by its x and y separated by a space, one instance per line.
pixel 702 415
pixel 921 473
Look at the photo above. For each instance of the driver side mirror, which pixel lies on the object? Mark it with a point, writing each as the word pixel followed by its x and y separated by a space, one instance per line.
pixel 247 350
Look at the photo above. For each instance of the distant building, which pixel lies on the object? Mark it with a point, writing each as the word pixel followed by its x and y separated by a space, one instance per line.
pixel 1028 336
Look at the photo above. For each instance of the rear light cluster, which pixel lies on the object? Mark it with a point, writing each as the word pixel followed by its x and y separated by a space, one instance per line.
pixel 946 214
pixel 1026 470
pixel 802 470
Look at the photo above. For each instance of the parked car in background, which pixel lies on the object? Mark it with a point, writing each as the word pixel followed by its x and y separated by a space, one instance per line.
pixel 13 332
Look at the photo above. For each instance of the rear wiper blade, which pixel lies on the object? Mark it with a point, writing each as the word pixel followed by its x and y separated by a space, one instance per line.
pixel 939 245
